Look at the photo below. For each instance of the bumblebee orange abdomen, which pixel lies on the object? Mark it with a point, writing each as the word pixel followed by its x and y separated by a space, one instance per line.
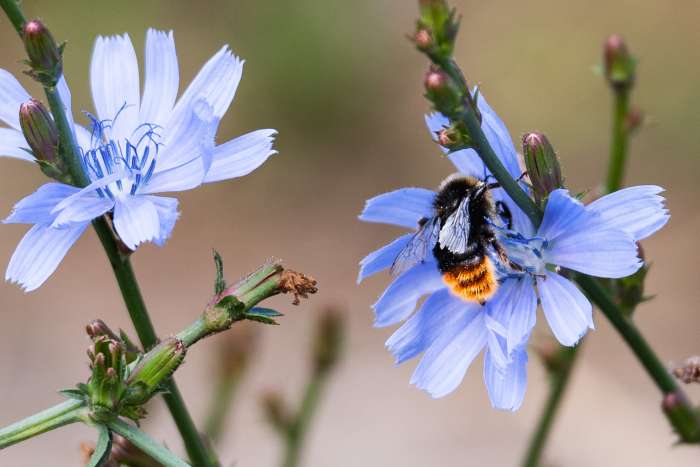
pixel 475 282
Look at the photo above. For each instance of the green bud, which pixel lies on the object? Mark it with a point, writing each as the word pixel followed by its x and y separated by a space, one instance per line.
pixel 43 52
pixel 39 130
pixel 437 19
pixel 153 369
pixel 106 387
pixel 329 341
pixel 542 165
pixel 618 65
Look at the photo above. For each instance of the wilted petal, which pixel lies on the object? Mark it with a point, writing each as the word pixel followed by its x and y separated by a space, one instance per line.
pixel 568 311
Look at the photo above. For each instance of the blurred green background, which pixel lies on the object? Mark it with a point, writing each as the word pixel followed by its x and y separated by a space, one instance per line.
pixel 344 88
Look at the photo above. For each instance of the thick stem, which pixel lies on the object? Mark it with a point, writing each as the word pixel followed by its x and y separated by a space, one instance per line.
pixel 619 140
pixel 559 380
pixel 142 441
pixel 294 439
pixel 67 412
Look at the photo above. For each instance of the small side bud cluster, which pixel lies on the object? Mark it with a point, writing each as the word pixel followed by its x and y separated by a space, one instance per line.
pixel 690 371
pixel 106 388
pixel 619 66
pixel 542 165
pixel 441 89
pixel 45 56
pixel 329 341
pixel 436 29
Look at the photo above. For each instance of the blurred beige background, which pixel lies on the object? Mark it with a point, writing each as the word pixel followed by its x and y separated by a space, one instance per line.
pixel 343 87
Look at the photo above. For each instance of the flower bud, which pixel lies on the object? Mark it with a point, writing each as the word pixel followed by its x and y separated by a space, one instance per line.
pixel 619 65
pixel 329 341
pixel 441 90
pixel 542 165
pixel 39 130
pixel 157 365
pixel 690 371
pixel 43 52
pixel 106 385
pixel 423 39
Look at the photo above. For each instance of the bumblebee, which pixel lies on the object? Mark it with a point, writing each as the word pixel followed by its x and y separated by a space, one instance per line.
pixel 460 236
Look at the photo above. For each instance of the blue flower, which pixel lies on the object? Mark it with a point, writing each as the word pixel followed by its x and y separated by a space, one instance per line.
pixel 597 239
pixel 136 146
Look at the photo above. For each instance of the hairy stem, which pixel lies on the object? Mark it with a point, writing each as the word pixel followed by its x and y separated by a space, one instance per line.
pixel 619 140
pixel 142 441
pixel 67 412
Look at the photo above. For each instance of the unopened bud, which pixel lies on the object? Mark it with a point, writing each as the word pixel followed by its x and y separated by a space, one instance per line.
pixel 43 52
pixel 619 65
pixel 157 365
pixel 542 165
pixel 423 39
pixel 39 130
pixel 329 341
pixel 436 80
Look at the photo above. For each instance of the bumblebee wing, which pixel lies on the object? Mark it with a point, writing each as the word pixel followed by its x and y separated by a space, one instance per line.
pixel 418 248
pixel 454 234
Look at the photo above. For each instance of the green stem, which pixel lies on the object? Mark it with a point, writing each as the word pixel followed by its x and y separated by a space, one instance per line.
pixel 294 439
pixel 14 14
pixel 619 141
pixel 220 409
pixel 67 412
pixel 142 441
pixel 559 380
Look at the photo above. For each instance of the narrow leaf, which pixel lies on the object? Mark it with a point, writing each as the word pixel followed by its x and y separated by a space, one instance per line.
pixel 76 394
pixel 102 449
pixel 220 284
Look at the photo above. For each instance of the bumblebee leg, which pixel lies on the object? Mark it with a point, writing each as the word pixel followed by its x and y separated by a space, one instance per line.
pixel 503 256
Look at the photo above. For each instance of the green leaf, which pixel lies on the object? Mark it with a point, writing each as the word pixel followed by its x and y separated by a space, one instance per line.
pixel 263 315
pixel 267 312
pixel 102 449
pixel 76 394
pixel 220 284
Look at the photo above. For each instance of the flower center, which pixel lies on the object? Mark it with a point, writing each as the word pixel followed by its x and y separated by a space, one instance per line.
pixel 528 253
pixel 123 165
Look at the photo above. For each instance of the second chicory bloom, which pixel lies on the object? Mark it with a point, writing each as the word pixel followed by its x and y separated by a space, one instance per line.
pixel 598 239
pixel 138 145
